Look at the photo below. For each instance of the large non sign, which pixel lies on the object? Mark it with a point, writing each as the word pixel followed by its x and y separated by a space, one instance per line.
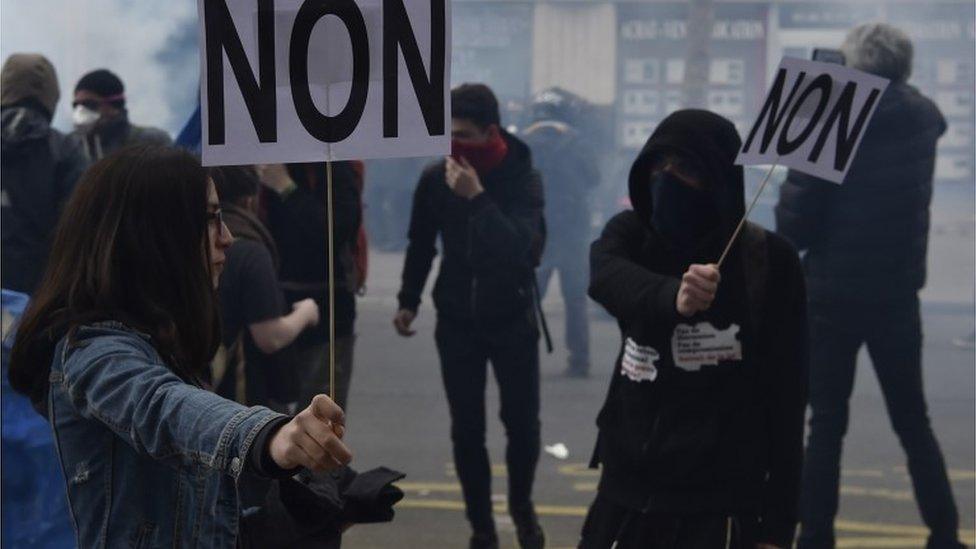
pixel 314 80
pixel 813 119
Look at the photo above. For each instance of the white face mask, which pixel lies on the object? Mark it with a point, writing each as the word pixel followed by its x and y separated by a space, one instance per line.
pixel 84 117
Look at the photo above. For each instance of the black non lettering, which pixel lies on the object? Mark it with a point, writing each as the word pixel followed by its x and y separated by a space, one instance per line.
pixel 259 98
pixel 841 115
pixel 772 110
pixel 823 84
pixel 330 129
pixel 429 89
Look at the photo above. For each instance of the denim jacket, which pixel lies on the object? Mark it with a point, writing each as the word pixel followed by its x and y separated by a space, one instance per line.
pixel 149 460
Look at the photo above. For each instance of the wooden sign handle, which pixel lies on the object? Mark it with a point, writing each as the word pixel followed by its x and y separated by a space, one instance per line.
pixel 742 222
pixel 330 215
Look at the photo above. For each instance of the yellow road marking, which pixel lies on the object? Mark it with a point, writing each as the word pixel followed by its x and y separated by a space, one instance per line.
pixel 959 474
pixel 907 536
pixel 578 470
pixel 887 543
pixel 868 473
pixel 880 493
pixel 429 486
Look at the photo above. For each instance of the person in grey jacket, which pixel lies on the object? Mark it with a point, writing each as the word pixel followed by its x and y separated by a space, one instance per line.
pixel 114 349
pixel 101 120
pixel 40 168
pixel 875 224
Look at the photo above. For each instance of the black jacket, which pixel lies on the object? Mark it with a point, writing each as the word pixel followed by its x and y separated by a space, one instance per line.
pixel 298 224
pixel 108 136
pixel 569 169
pixel 720 438
pixel 876 223
pixel 491 244
pixel 40 169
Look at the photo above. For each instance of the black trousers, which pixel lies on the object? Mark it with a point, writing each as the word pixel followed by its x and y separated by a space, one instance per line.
pixel 573 280
pixel 608 524
pixel 513 351
pixel 893 335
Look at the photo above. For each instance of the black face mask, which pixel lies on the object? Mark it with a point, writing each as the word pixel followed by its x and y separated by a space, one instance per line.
pixel 682 215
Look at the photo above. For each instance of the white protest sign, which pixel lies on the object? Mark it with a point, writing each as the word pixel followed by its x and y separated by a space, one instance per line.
pixel 316 80
pixel 813 118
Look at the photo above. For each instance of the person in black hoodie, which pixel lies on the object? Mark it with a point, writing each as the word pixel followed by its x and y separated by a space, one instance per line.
pixel 701 433
pixel 487 208
pixel 256 322
pixel 295 203
pixel 40 169
pixel 876 222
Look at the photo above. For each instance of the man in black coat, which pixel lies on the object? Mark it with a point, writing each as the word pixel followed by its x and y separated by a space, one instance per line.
pixel 865 245
pixel 485 202
pixel 566 161
pixel 702 429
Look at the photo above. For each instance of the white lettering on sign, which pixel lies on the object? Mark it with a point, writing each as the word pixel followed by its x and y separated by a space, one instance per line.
pixel 637 362
pixel 703 345
pixel 813 119
pixel 309 80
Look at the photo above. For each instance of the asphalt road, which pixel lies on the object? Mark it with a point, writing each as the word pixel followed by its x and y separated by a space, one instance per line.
pixel 398 413
pixel 398 417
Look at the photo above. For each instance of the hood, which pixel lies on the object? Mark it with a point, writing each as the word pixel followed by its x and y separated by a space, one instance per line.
pixel 20 126
pixel 517 162
pixel 709 139
pixel 29 76
pixel 245 224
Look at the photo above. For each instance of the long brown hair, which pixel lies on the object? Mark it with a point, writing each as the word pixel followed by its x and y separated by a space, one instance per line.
pixel 131 246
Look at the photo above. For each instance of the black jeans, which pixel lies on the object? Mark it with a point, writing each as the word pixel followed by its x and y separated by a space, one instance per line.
pixel 893 335
pixel 573 280
pixel 513 351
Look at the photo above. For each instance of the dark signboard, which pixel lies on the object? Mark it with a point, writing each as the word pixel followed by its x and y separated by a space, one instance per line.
pixel 943 70
pixel 652 46
pixel 492 44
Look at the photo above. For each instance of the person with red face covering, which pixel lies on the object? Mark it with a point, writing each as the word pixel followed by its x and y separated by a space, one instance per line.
pixel 485 202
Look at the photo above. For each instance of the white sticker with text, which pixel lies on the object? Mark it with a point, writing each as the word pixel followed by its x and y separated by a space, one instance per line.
pixel 638 362
pixel 703 345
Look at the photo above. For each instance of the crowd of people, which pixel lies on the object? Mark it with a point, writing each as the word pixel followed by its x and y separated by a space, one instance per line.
pixel 176 337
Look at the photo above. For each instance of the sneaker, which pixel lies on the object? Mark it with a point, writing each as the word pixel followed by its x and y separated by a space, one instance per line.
pixel 483 540
pixel 532 537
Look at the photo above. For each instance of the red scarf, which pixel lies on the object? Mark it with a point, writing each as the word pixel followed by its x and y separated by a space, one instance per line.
pixel 484 157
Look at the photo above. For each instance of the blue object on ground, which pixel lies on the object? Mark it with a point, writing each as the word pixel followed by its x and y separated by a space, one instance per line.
pixel 34 509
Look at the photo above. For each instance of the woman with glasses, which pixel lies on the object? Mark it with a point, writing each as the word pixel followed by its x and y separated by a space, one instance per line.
pixel 113 350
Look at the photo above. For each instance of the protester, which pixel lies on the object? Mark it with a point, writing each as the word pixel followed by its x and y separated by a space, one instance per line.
pixel 101 119
pixel 40 168
pixel 112 349
pixel 485 202
pixel 701 432
pixel 564 158
pixel 256 321
pixel 297 217
pixel 866 246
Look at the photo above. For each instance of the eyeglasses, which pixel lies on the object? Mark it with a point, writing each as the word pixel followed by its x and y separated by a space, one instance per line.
pixel 217 218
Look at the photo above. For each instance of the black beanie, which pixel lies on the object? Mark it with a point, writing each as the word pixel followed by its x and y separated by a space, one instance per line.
pixel 104 83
